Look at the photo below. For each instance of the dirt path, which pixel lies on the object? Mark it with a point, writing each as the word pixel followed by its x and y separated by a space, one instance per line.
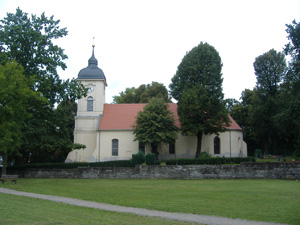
pixel 211 220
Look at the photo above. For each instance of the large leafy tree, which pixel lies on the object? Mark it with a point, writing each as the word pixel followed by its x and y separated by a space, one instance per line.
pixel 197 85
pixel 288 119
pixel 143 94
pixel 155 125
pixel 240 112
pixel 29 41
pixel 270 69
pixel 16 97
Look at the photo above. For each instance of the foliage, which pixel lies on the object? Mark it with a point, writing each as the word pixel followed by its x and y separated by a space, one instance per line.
pixel 204 155
pixel 270 69
pixel 139 158
pixel 116 163
pixel 29 41
pixel 209 161
pixel 197 85
pixel 293 49
pixel 240 112
pixel 150 159
pixel 155 125
pixel 142 94
pixel 230 103
pixel 15 104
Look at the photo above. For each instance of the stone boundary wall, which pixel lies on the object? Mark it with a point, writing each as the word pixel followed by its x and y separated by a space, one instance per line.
pixel 243 171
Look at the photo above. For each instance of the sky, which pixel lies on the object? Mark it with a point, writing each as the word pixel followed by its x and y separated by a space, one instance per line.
pixel 140 41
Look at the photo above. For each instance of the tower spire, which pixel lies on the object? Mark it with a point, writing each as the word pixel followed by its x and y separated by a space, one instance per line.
pixel 93 60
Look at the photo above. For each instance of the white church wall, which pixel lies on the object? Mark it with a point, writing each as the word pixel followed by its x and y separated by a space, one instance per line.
pixel 84 133
pixel 231 145
pixel 126 146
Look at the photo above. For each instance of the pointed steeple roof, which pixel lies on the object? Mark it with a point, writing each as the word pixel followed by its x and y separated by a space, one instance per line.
pixel 93 60
pixel 92 71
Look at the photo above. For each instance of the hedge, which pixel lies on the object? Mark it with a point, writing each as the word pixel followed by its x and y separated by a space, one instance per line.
pixel 150 160
pixel 209 161
pixel 117 163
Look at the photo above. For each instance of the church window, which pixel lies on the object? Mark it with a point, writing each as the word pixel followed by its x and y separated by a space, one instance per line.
pixel 171 148
pixel 90 103
pixel 217 145
pixel 115 147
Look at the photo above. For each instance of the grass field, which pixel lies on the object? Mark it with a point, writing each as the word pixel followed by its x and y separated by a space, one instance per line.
pixel 261 200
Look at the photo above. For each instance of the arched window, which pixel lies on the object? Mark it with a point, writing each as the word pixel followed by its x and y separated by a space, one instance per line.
pixel 90 103
pixel 115 147
pixel 217 145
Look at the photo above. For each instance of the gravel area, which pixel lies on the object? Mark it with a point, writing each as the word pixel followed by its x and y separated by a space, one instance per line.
pixel 210 220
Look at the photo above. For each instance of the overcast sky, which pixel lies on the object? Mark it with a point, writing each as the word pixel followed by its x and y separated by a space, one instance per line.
pixel 138 42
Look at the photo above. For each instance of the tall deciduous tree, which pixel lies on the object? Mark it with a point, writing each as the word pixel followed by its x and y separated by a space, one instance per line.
pixel 15 103
pixel 197 85
pixel 143 94
pixel 29 41
pixel 288 119
pixel 155 125
pixel 270 69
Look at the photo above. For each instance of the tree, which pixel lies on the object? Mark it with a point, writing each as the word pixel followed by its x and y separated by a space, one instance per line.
pixel 230 103
pixel 29 41
pixel 155 125
pixel 15 102
pixel 143 94
pixel 288 118
pixel 241 112
pixel 197 85
pixel 270 69
pixel 293 49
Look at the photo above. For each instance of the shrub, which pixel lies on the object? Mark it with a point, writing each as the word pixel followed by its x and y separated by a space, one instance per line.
pixel 140 157
pixel 117 163
pixel 204 155
pixel 209 161
pixel 150 159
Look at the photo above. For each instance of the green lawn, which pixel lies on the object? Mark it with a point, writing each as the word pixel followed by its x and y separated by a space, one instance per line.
pixel 261 200
pixel 16 210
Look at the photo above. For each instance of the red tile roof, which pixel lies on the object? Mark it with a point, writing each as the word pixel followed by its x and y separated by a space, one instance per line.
pixel 122 116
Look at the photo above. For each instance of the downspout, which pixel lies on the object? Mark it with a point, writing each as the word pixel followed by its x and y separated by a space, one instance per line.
pixel 230 141
pixel 99 133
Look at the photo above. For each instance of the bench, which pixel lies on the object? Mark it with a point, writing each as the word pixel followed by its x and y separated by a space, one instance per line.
pixel 13 178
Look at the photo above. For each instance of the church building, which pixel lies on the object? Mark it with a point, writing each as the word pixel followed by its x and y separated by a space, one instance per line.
pixel 106 129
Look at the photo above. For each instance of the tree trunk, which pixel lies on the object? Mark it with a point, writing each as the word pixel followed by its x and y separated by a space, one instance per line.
pixel 154 150
pixel 266 145
pixel 199 142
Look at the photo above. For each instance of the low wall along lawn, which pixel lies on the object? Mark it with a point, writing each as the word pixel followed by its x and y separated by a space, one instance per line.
pixel 276 170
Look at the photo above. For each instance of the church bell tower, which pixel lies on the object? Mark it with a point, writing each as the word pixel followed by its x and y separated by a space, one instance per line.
pixel 89 111
pixel 93 78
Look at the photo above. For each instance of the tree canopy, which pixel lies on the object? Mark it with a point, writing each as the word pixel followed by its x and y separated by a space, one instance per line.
pixel 197 85
pixel 155 125
pixel 270 69
pixel 15 103
pixel 30 42
pixel 269 114
pixel 143 94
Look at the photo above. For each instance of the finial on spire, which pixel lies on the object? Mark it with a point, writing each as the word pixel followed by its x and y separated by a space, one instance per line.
pixel 93 42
